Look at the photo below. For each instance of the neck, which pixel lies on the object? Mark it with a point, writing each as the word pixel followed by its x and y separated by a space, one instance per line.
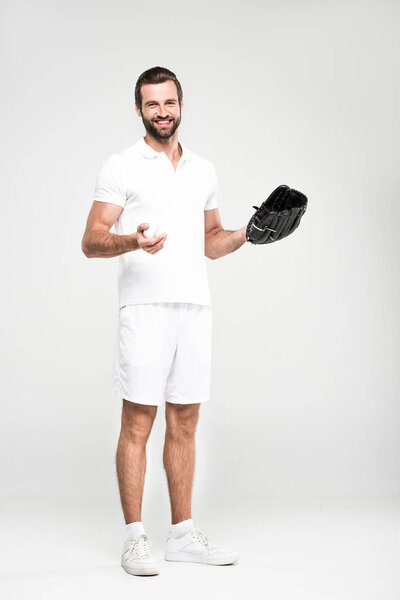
pixel 170 146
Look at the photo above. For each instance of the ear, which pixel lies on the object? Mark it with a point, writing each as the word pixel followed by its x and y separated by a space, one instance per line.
pixel 137 109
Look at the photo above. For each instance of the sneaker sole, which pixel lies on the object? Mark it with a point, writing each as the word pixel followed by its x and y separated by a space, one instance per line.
pixel 204 560
pixel 141 570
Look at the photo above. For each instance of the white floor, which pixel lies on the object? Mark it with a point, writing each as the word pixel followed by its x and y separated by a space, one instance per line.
pixel 66 549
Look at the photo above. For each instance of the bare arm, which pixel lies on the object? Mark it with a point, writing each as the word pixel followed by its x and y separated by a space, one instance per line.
pixel 219 241
pixel 106 245
pixel 98 242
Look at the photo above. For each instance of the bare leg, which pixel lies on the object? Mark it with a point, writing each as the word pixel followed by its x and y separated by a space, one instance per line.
pixel 136 423
pixel 179 456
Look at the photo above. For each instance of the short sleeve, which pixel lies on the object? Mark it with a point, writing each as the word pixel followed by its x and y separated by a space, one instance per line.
pixel 212 199
pixel 109 185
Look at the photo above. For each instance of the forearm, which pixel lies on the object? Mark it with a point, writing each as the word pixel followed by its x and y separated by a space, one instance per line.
pixel 102 244
pixel 224 242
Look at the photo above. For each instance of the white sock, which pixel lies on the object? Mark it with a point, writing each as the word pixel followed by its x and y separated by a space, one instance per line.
pixel 135 529
pixel 182 528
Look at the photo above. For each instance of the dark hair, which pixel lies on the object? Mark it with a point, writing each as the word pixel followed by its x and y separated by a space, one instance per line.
pixel 155 75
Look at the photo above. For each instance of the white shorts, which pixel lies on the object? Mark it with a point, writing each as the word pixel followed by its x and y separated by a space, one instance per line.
pixel 163 353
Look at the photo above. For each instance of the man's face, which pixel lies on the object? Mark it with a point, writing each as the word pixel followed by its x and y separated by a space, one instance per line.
pixel 160 103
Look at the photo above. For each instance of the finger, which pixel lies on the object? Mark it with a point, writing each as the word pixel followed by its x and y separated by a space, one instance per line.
pixel 154 251
pixel 155 248
pixel 145 243
pixel 153 242
pixel 156 239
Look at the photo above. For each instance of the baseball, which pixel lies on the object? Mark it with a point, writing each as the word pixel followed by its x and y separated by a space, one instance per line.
pixel 151 231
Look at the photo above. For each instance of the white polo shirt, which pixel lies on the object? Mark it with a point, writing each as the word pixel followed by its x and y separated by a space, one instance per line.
pixel 143 182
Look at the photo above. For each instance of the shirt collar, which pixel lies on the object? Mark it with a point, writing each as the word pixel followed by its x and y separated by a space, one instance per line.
pixel 149 152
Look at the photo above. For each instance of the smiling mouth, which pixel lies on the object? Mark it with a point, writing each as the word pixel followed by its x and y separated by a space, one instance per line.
pixel 164 123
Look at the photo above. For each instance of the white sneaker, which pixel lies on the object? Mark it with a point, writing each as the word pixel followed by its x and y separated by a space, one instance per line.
pixel 136 557
pixel 195 547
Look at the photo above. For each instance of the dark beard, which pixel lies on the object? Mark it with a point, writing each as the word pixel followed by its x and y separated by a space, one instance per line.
pixel 159 133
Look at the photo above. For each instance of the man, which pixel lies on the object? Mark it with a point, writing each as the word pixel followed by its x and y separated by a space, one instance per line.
pixel 164 337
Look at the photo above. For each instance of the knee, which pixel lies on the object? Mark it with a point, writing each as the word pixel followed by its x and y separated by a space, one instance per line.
pixel 181 421
pixel 137 421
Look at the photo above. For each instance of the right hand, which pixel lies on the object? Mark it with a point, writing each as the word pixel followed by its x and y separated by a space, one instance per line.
pixel 151 245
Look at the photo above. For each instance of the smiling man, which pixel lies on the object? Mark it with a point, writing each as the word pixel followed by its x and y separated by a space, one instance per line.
pixel 162 199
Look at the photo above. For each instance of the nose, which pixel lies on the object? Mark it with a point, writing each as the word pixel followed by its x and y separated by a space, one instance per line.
pixel 163 113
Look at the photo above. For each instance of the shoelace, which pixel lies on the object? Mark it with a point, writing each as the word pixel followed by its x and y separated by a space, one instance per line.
pixel 203 538
pixel 139 547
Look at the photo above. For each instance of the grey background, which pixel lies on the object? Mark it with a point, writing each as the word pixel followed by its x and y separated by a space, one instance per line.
pixel 304 398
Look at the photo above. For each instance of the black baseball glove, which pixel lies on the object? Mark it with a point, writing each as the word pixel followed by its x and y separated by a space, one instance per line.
pixel 277 217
